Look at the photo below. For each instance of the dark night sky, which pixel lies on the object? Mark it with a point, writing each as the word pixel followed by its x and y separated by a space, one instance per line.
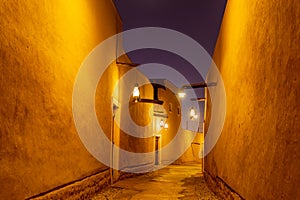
pixel 199 19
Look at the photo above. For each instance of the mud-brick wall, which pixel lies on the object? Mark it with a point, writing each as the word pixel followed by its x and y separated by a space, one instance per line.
pixel 188 152
pixel 257 53
pixel 195 151
pixel 140 114
pixel 42 45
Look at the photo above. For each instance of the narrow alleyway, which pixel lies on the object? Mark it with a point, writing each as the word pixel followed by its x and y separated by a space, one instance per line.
pixel 173 182
pixel 93 89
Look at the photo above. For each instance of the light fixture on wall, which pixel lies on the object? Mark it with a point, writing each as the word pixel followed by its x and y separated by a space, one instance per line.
pixel 181 93
pixel 166 126
pixel 136 93
pixel 161 123
pixel 193 114
pixel 155 100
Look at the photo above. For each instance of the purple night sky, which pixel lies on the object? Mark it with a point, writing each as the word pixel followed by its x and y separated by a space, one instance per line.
pixel 198 19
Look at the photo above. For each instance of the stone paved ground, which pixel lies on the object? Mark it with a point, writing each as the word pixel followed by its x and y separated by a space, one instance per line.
pixel 184 182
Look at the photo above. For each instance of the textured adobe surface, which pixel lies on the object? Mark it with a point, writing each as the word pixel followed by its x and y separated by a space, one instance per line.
pixel 42 47
pixel 220 188
pixel 257 52
pixel 83 189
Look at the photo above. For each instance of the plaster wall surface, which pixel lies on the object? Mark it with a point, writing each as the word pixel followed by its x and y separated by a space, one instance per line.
pixel 43 44
pixel 195 151
pixel 257 53
pixel 140 113
pixel 172 108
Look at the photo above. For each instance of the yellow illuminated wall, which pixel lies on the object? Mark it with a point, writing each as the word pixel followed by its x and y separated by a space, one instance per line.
pixel 195 150
pixel 171 106
pixel 43 44
pixel 257 53
pixel 173 120
pixel 139 112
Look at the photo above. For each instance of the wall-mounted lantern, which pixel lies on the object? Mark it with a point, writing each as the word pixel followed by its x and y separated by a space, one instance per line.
pixel 166 126
pixel 193 114
pixel 155 100
pixel 161 123
pixel 181 93
pixel 136 93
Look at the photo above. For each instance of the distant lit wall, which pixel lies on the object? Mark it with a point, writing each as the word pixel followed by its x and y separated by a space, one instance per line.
pixel 195 151
pixel 257 52
pixel 171 105
pixel 140 113
pixel 173 110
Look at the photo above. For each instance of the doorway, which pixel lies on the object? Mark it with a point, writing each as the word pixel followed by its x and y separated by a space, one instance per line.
pixel 157 150
pixel 115 140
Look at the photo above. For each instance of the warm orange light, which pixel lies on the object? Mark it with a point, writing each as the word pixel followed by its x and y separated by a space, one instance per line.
pixel 136 93
pixel 193 114
pixel 166 126
pixel 161 123
pixel 181 94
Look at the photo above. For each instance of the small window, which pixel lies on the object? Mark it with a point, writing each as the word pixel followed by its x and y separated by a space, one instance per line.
pixel 170 107
pixel 178 110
